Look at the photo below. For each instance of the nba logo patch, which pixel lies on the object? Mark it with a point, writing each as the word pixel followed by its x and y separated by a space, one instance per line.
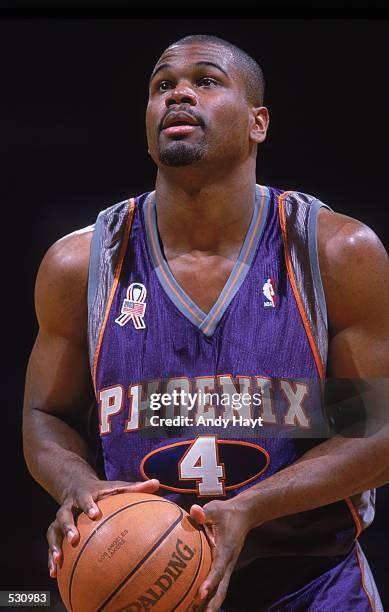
pixel 134 306
pixel 269 293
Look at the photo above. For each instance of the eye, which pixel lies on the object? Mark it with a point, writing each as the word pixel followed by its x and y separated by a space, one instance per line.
pixel 207 82
pixel 165 85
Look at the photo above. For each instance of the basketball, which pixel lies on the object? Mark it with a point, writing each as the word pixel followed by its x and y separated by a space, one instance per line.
pixel 144 552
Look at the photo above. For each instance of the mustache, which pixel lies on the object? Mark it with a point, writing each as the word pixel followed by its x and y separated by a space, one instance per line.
pixel 182 109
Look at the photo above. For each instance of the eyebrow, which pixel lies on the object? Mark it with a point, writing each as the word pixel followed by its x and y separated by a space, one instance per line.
pixel 201 63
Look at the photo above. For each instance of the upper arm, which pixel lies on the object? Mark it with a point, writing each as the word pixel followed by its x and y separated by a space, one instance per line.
pixel 58 376
pixel 355 272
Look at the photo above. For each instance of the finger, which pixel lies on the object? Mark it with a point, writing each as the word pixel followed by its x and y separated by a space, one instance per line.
pixel 206 515
pixel 52 567
pixel 211 583
pixel 54 558
pixel 54 538
pixel 51 563
pixel 149 486
pixel 213 511
pixel 86 503
pixel 210 534
pixel 197 514
pixel 67 525
pixel 219 570
pixel 217 599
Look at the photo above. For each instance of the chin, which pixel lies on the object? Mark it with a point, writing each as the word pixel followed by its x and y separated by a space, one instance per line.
pixel 180 153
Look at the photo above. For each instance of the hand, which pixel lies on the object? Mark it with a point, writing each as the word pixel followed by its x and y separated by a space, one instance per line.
pixel 226 528
pixel 82 499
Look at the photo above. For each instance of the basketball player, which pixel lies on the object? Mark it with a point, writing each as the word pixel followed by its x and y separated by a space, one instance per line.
pixel 166 293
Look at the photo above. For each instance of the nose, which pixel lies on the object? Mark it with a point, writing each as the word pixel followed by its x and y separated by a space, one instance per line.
pixel 181 94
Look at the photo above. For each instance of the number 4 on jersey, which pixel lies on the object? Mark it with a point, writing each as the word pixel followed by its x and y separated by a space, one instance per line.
pixel 200 463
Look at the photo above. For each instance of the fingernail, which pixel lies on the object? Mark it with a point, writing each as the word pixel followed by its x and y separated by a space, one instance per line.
pixel 70 535
pixel 203 594
pixel 55 555
pixel 92 512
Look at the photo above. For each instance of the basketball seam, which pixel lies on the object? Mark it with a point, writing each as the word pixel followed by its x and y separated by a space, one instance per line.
pixel 97 529
pixel 140 563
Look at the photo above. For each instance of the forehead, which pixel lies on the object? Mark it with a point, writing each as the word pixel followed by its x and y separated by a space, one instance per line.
pixel 187 55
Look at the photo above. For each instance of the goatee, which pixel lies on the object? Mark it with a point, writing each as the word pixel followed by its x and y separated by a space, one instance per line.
pixel 181 154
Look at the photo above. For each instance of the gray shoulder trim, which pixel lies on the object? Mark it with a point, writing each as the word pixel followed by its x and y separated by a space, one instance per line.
pixel 105 246
pixel 94 260
pixel 300 210
pixel 316 205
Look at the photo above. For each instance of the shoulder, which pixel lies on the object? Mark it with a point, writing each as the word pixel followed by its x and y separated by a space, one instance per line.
pixel 354 267
pixel 62 282
pixel 344 232
pixel 343 240
pixel 67 259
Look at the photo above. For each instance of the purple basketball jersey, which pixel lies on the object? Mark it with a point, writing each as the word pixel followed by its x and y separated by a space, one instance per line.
pixel 211 403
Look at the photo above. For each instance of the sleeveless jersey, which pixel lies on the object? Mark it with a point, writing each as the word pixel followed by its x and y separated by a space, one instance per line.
pixel 212 403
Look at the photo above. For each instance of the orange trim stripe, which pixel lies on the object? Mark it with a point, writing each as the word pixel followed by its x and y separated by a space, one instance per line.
pixel 123 249
pixel 308 330
pixel 363 580
pixel 241 265
pixel 289 267
pixel 160 263
pixel 355 516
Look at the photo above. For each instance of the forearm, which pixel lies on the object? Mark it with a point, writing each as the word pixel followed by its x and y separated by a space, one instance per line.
pixel 333 470
pixel 56 454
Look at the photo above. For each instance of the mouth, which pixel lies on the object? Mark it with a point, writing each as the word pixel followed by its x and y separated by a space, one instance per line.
pixel 179 124
pixel 179 130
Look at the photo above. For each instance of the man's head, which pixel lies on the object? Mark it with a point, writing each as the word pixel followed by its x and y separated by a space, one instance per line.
pixel 247 66
pixel 205 103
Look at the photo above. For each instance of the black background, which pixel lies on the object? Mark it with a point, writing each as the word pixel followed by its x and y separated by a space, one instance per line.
pixel 73 94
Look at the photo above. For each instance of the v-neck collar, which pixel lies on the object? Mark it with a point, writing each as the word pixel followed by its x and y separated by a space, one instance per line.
pixel 206 322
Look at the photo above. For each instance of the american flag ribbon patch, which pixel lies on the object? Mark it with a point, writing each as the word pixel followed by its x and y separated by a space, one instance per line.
pixel 134 306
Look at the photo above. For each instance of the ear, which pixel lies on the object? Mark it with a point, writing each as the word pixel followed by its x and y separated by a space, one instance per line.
pixel 259 124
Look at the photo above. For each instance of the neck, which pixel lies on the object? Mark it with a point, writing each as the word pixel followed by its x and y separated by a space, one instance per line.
pixel 207 214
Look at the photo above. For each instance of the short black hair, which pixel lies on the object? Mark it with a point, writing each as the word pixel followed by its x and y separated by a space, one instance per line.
pixel 255 81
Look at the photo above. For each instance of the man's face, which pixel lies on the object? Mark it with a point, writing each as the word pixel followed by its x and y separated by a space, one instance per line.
pixel 197 107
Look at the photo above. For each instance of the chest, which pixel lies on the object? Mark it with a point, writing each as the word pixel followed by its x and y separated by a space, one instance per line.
pixel 199 316
pixel 202 316
pixel 202 277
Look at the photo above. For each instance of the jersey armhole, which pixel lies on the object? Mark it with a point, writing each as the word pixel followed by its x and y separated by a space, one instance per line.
pixel 316 205
pixel 94 260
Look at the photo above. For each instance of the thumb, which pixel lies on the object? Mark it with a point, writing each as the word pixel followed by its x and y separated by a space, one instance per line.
pixel 149 486
pixel 207 514
pixel 197 514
